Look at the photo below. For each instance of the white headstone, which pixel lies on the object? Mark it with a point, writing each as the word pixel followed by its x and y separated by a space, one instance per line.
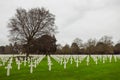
pixel 96 60
pixel 49 66
pixel 110 57
pixel 3 62
pixel 49 63
pixel 103 59
pixel 18 64
pixel 87 60
pixel 16 59
pixel 65 62
pixel 25 61
pixel 11 59
pixel 31 67
pixel 71 60
pixel 61 61
pixel 8 69
pixel 77 61
pixel 35 63
pixel 80 59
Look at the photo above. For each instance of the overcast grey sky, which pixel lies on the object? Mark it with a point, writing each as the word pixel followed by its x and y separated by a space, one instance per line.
pixel 75 18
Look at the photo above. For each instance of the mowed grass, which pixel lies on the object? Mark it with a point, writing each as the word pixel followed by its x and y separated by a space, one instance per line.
pixel 101 71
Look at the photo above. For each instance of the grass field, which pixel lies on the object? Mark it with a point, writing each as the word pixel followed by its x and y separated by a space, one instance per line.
pixel 101 71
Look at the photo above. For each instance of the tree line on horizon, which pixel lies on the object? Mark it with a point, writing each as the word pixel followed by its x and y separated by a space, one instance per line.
pixel 33 32
pixel 47 45
pixel 103 46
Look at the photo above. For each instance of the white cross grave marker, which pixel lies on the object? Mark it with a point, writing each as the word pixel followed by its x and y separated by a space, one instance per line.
pixel 31 67
pixel 4 62
pixel 71 60
pixel 77 61
pixel 61 61
pixel 65 62
pixel 87 60
pixel 49 64
pixel 18 64
pixel 80 59
pixel 110 57
pixel 8 69
pixel 25 62
pixel 103 59
pixel 35 63
pixel 96 60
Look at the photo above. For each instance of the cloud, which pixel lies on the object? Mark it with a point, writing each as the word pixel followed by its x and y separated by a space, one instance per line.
pixel 74 18
pixel 99 18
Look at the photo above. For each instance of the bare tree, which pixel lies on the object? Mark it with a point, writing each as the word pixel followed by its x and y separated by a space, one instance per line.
pixel 107 40
pixel 66 49
pixel 105 45
pixel 117 48
pixel 90 46
pixel 59 49
pixel 74 48
pixel 100 48
pixel 26 26
pixel 78 42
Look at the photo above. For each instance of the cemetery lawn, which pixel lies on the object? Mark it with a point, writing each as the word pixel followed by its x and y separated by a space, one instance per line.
pixel 101 71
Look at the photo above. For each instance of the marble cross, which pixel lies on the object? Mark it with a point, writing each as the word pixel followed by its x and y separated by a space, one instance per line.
pixel 65 62
pixel 18 64
pixel 61 61
pixel 96 60
pixel 103 59
pixel 4 62
pixel 31 67
pixel 49 65
pixel 110 57
pixel 8 69
pixel 87 60
pixel 25 62
pixel 71 60
pixel 77 61
pixel 35 63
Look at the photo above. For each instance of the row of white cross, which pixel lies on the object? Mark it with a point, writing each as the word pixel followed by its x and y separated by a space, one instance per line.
pixel 32 61
pixel 49 63
pixel 64 59
pixel 61 59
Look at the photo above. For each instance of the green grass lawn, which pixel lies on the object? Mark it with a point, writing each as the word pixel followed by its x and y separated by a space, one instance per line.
pixel 106 71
